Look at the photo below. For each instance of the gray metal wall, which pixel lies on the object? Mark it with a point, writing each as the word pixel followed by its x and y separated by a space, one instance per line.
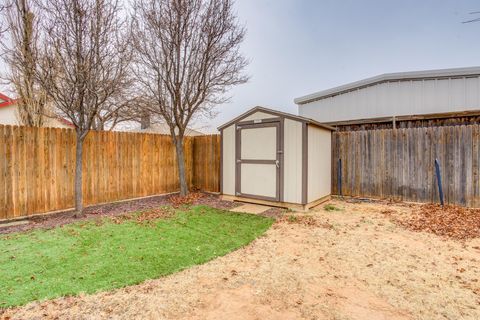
pixel 398 98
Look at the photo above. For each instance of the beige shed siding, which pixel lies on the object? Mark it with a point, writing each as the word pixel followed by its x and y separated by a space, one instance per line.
pixel 319 163
pixel 228 168
pixel 258 115
pixel 259 143
pixel 258 179
pixel 292 161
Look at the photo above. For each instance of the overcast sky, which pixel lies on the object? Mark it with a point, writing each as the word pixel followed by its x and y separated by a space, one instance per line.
pixel 297 47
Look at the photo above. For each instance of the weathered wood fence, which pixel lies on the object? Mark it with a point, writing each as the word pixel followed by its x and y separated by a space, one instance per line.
pixel 206 163
pixel 399 163
pixel 37 167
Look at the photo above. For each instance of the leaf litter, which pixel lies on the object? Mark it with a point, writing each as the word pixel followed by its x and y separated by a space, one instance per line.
pixel 449 221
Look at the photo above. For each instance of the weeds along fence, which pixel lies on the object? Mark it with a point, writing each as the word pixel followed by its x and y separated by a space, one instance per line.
pixel 37 167
pixel 400 164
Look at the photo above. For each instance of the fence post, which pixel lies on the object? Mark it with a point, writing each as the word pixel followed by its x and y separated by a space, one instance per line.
pixel 339 177
pixel 439 181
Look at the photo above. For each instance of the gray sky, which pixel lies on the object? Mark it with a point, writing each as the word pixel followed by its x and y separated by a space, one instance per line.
pixel 298 47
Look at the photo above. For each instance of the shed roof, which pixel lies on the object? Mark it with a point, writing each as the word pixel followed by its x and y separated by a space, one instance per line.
pixel 276 113
pixel 397 76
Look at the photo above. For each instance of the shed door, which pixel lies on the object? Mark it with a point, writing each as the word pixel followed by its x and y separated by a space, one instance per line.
pixel 258 161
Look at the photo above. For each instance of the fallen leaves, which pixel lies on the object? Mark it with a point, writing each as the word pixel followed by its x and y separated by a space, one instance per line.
pixel 191 198
pixel 449 221
pixel 154 214
pixel 146 216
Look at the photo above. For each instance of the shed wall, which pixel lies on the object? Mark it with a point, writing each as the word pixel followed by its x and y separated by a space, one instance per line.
pixel 258 115
pixel 398 98
pixel 292 161
pixel 319 163
pixel 228 165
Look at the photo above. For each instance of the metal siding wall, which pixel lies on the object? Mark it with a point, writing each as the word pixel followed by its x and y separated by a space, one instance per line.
pixel 398 98
pixel 292 161
pixel 228 175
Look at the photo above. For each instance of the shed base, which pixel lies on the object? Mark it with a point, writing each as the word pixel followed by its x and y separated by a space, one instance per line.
pixel 287 205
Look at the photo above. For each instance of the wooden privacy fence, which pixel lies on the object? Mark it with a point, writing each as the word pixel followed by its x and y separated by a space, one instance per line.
pixel 206 163
pixel 37 167
pixel 400 163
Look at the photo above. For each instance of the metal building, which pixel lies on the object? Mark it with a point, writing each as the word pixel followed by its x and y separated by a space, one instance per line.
pixel 398 97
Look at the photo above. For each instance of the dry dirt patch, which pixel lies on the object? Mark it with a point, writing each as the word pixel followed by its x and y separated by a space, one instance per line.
pixel 353 263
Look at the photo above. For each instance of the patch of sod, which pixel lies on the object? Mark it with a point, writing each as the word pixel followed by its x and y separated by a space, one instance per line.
pixel 90 257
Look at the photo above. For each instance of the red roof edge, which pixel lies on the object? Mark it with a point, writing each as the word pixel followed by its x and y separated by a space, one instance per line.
pixel 8 101
pixel 66 122
pixel 4 97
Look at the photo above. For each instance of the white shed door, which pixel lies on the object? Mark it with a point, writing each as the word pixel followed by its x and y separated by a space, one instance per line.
pixel 258 162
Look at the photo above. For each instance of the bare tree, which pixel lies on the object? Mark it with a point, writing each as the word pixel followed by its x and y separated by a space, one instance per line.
pixel 187 57
pixel 85 62
pixel 21 57
pixel 3 27
pixel 473 20
pixel 126 107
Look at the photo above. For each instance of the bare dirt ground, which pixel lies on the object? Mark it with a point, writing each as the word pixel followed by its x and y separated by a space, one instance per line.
pixel 352 263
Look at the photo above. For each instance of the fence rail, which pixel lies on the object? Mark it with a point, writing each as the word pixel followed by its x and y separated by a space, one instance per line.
pixel 400 163
pixel 37 167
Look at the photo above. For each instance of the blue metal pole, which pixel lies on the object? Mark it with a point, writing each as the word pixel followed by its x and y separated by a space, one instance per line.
pixel 339 177
pixel 439 181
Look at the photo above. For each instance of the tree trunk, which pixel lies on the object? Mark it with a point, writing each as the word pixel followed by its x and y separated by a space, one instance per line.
pixel 178 141
pixel 78 177
pixel 145 121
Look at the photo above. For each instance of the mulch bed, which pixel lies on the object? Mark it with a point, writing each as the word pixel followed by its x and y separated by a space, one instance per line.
pixel 449 221
pixel 147 206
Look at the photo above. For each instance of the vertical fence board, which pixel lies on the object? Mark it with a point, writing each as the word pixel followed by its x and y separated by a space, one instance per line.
pixel 10 173
pixel 3 173
pixel 475 200
pixel 16 163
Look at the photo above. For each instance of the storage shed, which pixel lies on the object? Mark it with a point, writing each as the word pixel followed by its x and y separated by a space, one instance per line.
pixel 275 158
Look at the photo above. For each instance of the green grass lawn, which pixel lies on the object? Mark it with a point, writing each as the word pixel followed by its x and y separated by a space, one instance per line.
pixel 90 257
